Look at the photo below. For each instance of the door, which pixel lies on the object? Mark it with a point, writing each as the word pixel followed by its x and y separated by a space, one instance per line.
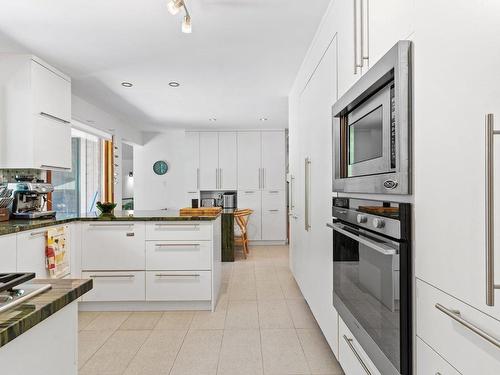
pixel 252 199
pixel 52 143
pixel 273 160
pixel 450 124
pixel 249 161
pixel 209 160
pixel 192 161
pixel 389 21
pixel 228 161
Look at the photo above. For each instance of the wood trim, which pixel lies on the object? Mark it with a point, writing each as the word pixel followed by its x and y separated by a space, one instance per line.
pixel 48 179
pixel 109 169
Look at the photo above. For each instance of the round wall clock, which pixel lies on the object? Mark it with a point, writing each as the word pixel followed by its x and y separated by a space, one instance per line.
pixel 160 167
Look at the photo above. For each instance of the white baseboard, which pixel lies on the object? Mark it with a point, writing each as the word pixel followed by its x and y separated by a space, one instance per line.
pixel 145 306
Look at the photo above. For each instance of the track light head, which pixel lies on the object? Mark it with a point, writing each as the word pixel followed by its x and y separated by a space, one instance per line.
pixel 174 6
pixel 186 25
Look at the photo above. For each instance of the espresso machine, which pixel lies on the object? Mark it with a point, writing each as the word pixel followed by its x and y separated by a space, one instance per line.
pixel 30 199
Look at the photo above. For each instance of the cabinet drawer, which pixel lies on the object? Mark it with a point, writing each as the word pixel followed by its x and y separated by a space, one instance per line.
pixel 352 357
pixel 452 339
pixel 178 285
pixel 273 200
pixel 429 362
pixel 113 246
pixel 115 286
pixel 178 255
pixel 175 231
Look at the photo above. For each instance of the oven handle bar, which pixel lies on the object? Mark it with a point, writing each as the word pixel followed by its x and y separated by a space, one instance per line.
pixel 365 241
pixel 355 352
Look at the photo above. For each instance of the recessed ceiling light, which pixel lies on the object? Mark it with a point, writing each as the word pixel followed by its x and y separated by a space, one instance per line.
pixel 212 119
pixel 174 84
pixel 263 119
pixel 127 84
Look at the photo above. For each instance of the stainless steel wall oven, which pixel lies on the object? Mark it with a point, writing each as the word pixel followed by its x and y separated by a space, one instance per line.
pixel 372 278
pixel 371 130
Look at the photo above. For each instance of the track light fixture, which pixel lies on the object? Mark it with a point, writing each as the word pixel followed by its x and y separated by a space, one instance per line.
pixel 174 6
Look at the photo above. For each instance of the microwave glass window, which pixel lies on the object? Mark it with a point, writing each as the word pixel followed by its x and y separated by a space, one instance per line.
pixel 365 137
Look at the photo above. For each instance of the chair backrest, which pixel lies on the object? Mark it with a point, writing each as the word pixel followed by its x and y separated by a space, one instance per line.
pixel 241 217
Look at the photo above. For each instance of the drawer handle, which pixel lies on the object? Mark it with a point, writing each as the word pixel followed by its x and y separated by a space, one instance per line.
pixel 249 192
pixel 177 244
pixel 349 343
pixel 34 234
pixel 175 275
pixel 455 315
pixel 273 210
pixel 176 226
pixel 273 192
pixel 111 276
pixel 111 225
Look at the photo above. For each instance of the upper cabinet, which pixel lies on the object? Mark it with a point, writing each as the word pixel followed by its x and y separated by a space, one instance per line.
pixel 209 160
pixel 192 158
pixel 35 128
pixel 228 163
pixel 273 160
pixel 249 160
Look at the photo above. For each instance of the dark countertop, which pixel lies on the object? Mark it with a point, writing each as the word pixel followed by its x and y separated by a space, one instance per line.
pixel 15 226
pixel 21 318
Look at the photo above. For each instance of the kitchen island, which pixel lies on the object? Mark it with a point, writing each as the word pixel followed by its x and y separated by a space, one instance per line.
pixel 39 336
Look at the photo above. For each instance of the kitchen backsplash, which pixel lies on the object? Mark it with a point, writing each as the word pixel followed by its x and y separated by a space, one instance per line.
pixel 9 175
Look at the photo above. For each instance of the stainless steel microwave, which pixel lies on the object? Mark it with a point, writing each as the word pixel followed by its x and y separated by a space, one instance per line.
pixel 371 129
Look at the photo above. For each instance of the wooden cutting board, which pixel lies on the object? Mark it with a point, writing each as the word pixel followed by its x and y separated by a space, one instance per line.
pixel 203 211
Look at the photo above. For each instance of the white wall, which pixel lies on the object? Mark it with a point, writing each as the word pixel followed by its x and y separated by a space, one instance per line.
pixel 152 192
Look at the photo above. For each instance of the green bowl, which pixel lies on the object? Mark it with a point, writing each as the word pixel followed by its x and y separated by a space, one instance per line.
pixel 105 208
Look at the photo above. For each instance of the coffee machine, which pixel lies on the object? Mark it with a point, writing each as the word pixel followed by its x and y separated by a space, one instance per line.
pixel 30 199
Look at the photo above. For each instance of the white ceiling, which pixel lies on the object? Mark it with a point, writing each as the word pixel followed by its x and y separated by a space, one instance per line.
pixel 238 65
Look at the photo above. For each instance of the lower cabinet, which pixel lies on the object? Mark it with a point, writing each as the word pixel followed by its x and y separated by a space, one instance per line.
pixel 178 255
pixel 8 248
pixel 352 357
pixel 116 286
pixel 178 285
pixel 429 362
pixel 252 199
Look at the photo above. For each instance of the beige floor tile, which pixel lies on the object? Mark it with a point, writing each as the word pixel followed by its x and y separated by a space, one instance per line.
pixel 175 320
pixel 282 353
pixel 89 342
pixel 269 290
pixel 318 354
pixel 241 353
pixel 291 290
pixel 141 320
pixel 242 314
pixel 157 355
pixel 85 318
pixel 117 352
pixel 199 353
pixel 209 320
pixel 301 314
pixel 107 321
pixel 242 292
pixel 274 314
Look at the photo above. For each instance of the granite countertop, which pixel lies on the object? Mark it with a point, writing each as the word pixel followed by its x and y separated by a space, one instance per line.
pixel 14 322
pixel 15 226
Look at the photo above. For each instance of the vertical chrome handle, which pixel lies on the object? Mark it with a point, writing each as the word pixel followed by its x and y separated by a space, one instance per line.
pixel 364 33
pixel 358 61
pixel 356 354
pixel 216 178
pixel 263 178
pixel 220 178
pixel 197 178
pixel 307 181
pixel 292 179
pixel 490 215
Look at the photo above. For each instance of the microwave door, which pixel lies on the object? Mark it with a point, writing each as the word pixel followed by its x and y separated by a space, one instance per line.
pixel 368 136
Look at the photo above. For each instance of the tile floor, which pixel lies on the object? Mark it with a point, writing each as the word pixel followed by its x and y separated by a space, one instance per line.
pixel 262 326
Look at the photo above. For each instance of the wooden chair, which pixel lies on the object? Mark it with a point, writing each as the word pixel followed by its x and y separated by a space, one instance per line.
pixel 241 218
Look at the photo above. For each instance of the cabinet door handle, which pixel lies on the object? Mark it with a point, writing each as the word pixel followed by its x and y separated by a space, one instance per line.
pixel 455 315
pixel 292 205
pixel 273 210
pixel 221 173
pixel 35 234
pixel 490 214
pixel 365 33
pixel 356 354
pixel 307 168
pixel 263 178
pixel 52 117
pixel 358 61
pixel 249 192
pixel 197 178
pixel 46 166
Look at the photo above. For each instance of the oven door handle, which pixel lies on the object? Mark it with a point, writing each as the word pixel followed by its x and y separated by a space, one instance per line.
pixel 386 250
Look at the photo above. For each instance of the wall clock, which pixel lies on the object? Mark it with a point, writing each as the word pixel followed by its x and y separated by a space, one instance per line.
pixel 160 167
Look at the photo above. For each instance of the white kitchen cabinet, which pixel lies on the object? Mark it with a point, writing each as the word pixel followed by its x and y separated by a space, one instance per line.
pixel 228 161
pixel 39 97
pixel 113 246
pixel 429 362
pixel 8 253
pixel 178 231
pixel 450 338
pixel 249 160
pixel 178 285
pixel 388 22
pixel 352 357
pixel 31 252
pixel 192 160
pixel 209 160
pixel 273 160
pixel 274 215
pixel 178 255
pixel 450 252
pixel 115 286
pixel 252 199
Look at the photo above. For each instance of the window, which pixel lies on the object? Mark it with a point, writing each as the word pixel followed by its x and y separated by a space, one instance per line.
pixel 78 191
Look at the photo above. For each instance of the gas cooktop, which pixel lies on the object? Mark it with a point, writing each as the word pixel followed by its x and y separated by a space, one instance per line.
pixel 14 289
